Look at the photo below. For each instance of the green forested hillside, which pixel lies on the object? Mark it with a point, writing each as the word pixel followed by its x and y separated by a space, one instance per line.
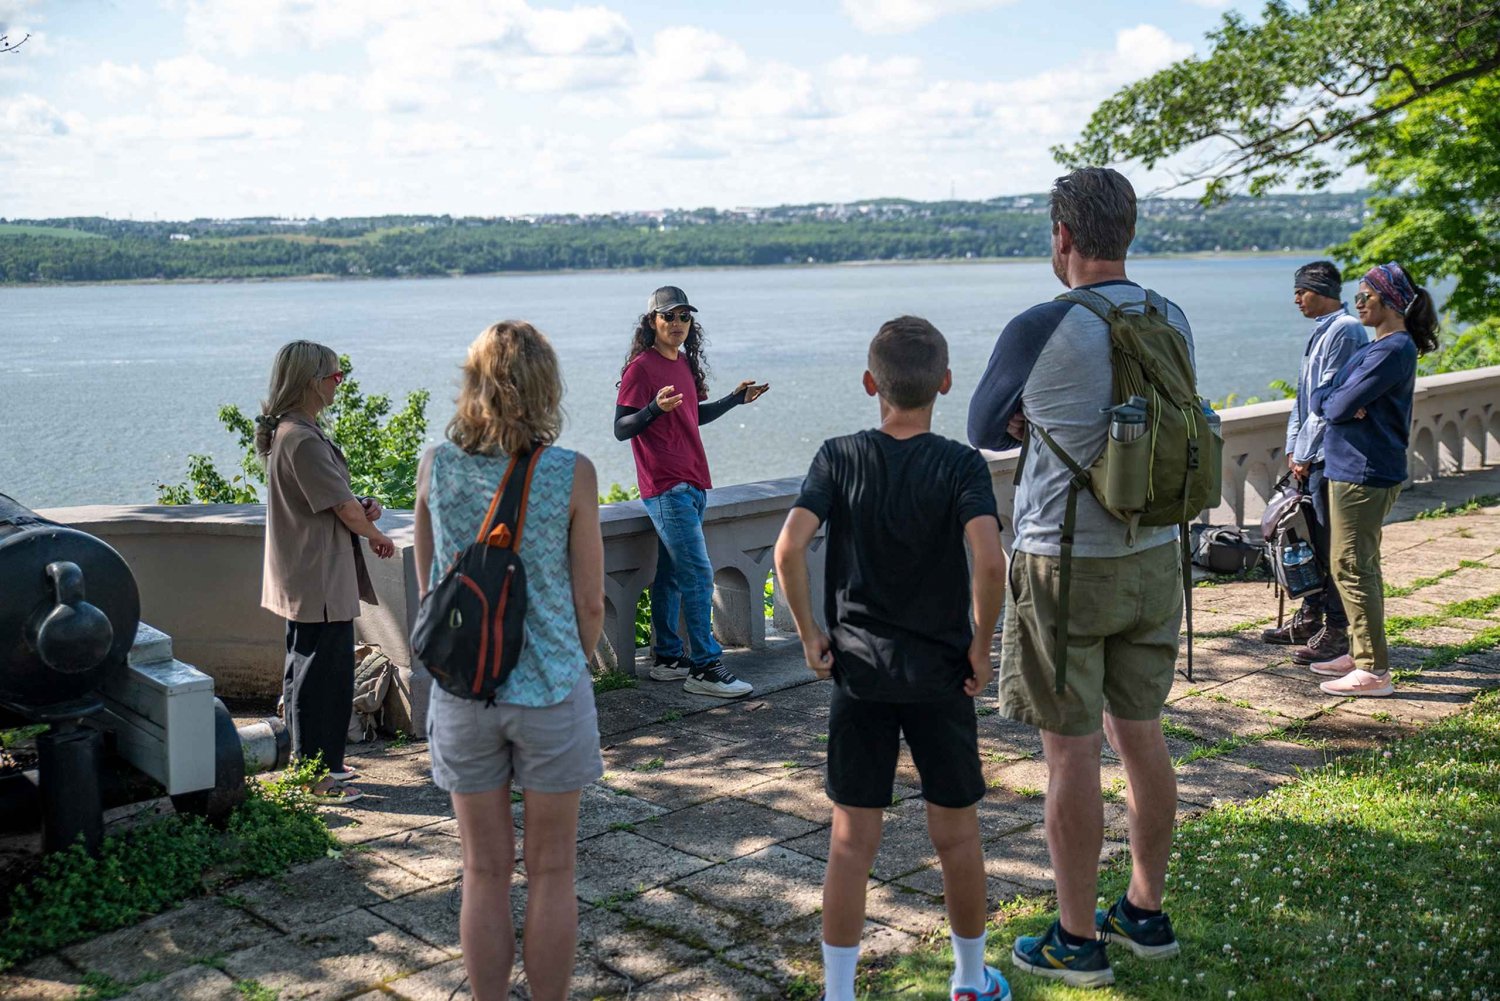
pixel 388 246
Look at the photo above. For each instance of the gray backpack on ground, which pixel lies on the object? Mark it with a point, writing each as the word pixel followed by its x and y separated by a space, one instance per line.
pixel 373 675
pixel 1225 550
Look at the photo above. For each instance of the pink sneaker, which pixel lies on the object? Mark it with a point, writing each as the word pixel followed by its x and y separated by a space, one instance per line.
pixel 1335 668
pixel 1360 683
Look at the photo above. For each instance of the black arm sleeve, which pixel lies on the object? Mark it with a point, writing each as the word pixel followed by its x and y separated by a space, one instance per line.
pixel 709 412
pixel 629 423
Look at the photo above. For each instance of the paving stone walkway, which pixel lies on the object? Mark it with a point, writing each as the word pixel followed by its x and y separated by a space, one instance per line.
pixel 701 851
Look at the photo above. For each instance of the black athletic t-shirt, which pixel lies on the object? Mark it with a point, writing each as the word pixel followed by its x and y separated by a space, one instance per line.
pixel 897 576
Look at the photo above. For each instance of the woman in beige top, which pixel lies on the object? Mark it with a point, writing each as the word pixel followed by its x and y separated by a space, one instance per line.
pixel 315 574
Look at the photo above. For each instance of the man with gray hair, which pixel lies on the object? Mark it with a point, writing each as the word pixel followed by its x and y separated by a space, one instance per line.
pixel 1319 628
pixel 1051 371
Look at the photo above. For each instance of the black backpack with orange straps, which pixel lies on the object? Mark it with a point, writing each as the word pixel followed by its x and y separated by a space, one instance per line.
pixel 470 630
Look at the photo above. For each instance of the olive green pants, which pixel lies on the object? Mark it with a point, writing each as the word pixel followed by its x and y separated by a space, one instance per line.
pixel 1356 514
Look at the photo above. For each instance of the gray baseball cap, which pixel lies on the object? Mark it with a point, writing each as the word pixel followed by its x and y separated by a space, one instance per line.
pixel 668 297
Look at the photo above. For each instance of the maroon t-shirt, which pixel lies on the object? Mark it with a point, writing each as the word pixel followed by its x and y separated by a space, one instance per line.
pixel 670 450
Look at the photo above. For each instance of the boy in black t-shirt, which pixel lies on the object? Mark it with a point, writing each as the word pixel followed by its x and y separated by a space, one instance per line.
pixel 906 647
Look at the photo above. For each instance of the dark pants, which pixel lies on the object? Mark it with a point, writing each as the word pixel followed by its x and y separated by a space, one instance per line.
pixel 318 689
pixel 1327 600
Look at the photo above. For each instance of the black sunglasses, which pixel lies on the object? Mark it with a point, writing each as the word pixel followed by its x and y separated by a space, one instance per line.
pixel 681 316
pixel 1360 298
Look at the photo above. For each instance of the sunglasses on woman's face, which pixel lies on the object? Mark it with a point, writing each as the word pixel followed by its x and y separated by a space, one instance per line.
pixel 337 377
pixel 1360 298
pixel 681 316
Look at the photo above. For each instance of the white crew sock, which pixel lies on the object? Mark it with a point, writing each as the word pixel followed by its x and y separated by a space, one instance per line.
pixel 968 961
pixel 839 962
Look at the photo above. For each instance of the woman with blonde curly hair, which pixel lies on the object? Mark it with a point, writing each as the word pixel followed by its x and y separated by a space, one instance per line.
pixel 541 731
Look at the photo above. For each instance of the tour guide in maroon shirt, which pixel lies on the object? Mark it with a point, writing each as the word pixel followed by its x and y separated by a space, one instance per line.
pixel 661 405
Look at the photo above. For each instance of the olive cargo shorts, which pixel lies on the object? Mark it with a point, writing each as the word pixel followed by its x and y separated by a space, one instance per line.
pixel 1124 616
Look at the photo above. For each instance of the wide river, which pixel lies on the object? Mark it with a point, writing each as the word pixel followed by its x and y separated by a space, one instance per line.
pixel 105 390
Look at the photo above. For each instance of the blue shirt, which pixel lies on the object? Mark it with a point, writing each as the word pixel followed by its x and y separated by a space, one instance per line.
pixel 1335 338
pixel 1380 380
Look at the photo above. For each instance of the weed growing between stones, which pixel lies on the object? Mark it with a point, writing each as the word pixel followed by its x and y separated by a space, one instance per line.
pixel 147 869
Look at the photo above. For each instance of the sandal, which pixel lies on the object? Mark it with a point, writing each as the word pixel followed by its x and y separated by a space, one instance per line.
pixel 334 795
pixel 345 774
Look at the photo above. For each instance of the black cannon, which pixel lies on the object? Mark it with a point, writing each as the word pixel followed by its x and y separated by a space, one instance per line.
pixel 126 720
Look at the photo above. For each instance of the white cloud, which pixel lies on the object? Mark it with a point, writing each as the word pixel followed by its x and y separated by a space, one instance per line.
pixel 885 17
pixel 30 115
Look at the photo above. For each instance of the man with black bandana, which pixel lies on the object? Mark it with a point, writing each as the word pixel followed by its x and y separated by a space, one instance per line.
pixel 1320 627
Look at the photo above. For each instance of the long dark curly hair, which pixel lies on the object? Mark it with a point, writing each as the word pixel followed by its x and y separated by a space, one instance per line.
pixel 645 336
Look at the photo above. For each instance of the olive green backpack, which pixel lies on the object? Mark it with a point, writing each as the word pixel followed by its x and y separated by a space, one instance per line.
pixel 1167 475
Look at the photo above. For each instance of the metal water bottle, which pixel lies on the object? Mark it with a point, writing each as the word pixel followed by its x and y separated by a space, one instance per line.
pixel 1127 456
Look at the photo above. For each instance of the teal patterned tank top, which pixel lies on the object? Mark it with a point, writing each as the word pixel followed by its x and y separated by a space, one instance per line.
pixel 460 487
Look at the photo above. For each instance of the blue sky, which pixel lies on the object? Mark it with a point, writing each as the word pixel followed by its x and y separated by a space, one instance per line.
pixel 191 108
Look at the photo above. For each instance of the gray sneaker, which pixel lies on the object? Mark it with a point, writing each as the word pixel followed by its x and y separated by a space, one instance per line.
pixel 714 680
pixel 669 668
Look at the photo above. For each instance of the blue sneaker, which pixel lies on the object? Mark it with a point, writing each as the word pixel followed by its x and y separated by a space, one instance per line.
pixel 995 988
pixel 1149 939
pixel 1077 966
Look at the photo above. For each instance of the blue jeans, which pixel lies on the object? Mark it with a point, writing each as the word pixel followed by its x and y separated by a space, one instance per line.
pixel 684 583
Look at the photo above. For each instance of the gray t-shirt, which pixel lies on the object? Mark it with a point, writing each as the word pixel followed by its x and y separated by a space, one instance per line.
pixel 1052 363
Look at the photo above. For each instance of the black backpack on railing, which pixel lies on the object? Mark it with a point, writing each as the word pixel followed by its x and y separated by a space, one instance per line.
pixel 471 628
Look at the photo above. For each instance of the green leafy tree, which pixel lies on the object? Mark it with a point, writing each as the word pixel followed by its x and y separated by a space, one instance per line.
pixel 1407 89
pixel 381 446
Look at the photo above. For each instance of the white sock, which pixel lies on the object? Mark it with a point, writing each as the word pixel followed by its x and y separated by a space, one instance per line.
pixel 968 961
pixel 839 962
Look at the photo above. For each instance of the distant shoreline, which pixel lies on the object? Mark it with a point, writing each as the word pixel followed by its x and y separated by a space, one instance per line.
pixel 909 262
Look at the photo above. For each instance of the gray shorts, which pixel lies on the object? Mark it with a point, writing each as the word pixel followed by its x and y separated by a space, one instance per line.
pixel 476 748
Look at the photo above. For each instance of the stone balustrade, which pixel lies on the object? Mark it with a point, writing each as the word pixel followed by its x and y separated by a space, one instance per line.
pixel 199 566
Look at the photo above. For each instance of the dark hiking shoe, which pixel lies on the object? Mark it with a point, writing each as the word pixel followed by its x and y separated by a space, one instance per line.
pixel 1304 625
pixel 1150 938
pixel 1330 643
pixel 1075 965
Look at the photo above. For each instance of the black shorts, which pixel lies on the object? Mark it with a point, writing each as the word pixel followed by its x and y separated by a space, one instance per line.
pixel 864 741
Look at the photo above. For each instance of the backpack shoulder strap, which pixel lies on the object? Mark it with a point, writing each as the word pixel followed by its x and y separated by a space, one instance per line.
pixel 507 514
pixel 1076 484
pixel 518 516
pixel 1090 300
pixel 493 517
pixel 1156 303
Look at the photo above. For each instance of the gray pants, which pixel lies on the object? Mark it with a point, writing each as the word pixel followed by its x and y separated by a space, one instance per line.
pixel 318 689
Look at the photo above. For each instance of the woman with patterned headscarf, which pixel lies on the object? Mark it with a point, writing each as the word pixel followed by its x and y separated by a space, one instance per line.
pixel 1367 407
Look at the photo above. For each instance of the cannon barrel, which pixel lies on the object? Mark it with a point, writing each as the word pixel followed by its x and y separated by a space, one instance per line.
pixel 69 609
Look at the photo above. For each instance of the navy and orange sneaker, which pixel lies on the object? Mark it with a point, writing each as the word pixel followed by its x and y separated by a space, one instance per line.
pixel 1048 956
pixel 995 988
pixel 1149 938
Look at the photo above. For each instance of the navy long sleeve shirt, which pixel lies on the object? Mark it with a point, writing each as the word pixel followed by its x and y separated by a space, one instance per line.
pixel 1379 380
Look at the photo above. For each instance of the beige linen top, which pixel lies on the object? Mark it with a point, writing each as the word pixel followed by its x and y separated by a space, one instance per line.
pixel 315 568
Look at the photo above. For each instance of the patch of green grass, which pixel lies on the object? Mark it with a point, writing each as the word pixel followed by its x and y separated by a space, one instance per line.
pixel 1469 506
pixel 654 765
pixel 1226 746
pixel 1177 730
pixel 101 986
pixel 21 734
pixel 1298 894
pixel 1234 630
pixel 671 716
pixel 401 740
pixel 611 681
pixel 145 870
pixel 254 990
pixel 622 825
pixel 1030 792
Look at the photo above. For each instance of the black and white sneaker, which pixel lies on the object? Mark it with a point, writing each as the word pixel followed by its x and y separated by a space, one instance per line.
pixel 713 680
pixel 669 668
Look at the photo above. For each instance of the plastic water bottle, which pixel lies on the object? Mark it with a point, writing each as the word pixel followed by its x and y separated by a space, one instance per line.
pixel 1300 568
pixel 1215 423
